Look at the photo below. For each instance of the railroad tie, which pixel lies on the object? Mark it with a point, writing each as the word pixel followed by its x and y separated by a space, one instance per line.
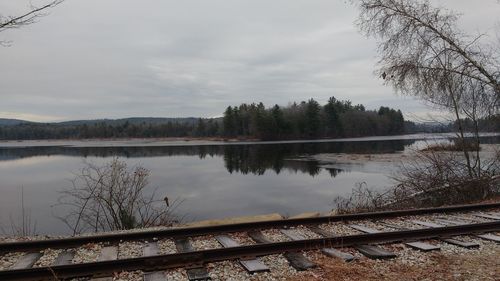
pixel 460 243
pixel 487 216
pixel 475 218
pixel 155 276
pixel 108 253
pixel 445 221
pixel 252 265
pixel 296 259
pixel 320 231
pixel 26 261
pixel 102 279
pixel 194 273
pixel 422 246
pixel 452 241
pixel 426 223
pixel 375 252
pixel 331 252
pixel 292 257
pixel 490 237
pixel 487 236
pixel 65 257
pixel 259 237
pixel 334 253
pixel 152 249
pixel 370 251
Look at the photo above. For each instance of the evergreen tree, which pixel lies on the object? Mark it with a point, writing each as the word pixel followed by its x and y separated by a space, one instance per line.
pixel 332 119
pixel 229 128
pixel 313 121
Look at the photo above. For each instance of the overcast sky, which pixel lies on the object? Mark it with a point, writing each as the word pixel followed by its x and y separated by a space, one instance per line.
pixel 92 59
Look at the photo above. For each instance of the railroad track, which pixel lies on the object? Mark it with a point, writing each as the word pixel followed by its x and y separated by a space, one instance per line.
pixel 340 236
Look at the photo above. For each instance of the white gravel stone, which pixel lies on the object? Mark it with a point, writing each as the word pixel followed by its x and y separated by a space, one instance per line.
pixel 305 232
pixel 242 238
pixel 9 259
pixel 374 225
pixel 339 228
pixel 452 249
pixel 167 246
pixel 275 235
pixel 279 269
pixel 468 218
pixel 205 243
pixel 404 223
pixel 48 258
pixel 227 270
pixel 177 275
pixel 130 250
pixel 87 253
pixel 128 276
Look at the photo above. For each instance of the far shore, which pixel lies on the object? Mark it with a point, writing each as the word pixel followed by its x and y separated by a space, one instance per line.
pixel 194 141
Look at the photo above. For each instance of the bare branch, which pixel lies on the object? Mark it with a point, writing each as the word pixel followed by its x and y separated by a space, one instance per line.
pixel 113 197
pixel 30 17
pixel 413 34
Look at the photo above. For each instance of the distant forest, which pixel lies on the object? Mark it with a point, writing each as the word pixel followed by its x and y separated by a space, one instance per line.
pixel 309 119
pixel 304 120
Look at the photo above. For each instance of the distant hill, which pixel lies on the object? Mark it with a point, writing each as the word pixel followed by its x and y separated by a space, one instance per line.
pixel 11 122
pixel 131 120
pixel 135 127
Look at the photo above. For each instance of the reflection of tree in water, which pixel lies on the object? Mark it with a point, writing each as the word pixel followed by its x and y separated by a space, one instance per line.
pixel 334 171
pixel 250 158
pixel 254 159
pixel 257 159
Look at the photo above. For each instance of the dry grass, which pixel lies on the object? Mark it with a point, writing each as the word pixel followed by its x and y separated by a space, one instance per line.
pixel 455 146
pixel 439 266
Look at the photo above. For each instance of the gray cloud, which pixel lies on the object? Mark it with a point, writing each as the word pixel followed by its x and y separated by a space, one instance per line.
pixel 121 58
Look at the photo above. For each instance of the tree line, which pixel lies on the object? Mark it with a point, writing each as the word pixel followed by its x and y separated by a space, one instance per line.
pixel 104 130
pixel 309 119
pixel 304 120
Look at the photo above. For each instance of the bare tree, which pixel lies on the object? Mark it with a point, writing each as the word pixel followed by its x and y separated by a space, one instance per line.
pixel 419 42
pixel 425 54
pixel 430 178
pixel 113 197
pixel 27 18
pixel 433 178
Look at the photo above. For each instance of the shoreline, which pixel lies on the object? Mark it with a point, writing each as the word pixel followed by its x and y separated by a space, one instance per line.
pixel 192 141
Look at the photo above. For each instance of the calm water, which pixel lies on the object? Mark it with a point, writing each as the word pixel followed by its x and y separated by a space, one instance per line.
pixel 213 181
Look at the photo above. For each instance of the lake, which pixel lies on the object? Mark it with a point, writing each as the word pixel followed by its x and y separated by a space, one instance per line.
pixel 213 180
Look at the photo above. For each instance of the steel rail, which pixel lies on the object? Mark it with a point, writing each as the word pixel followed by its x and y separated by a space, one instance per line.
pixel 226 228
pixel 160 262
